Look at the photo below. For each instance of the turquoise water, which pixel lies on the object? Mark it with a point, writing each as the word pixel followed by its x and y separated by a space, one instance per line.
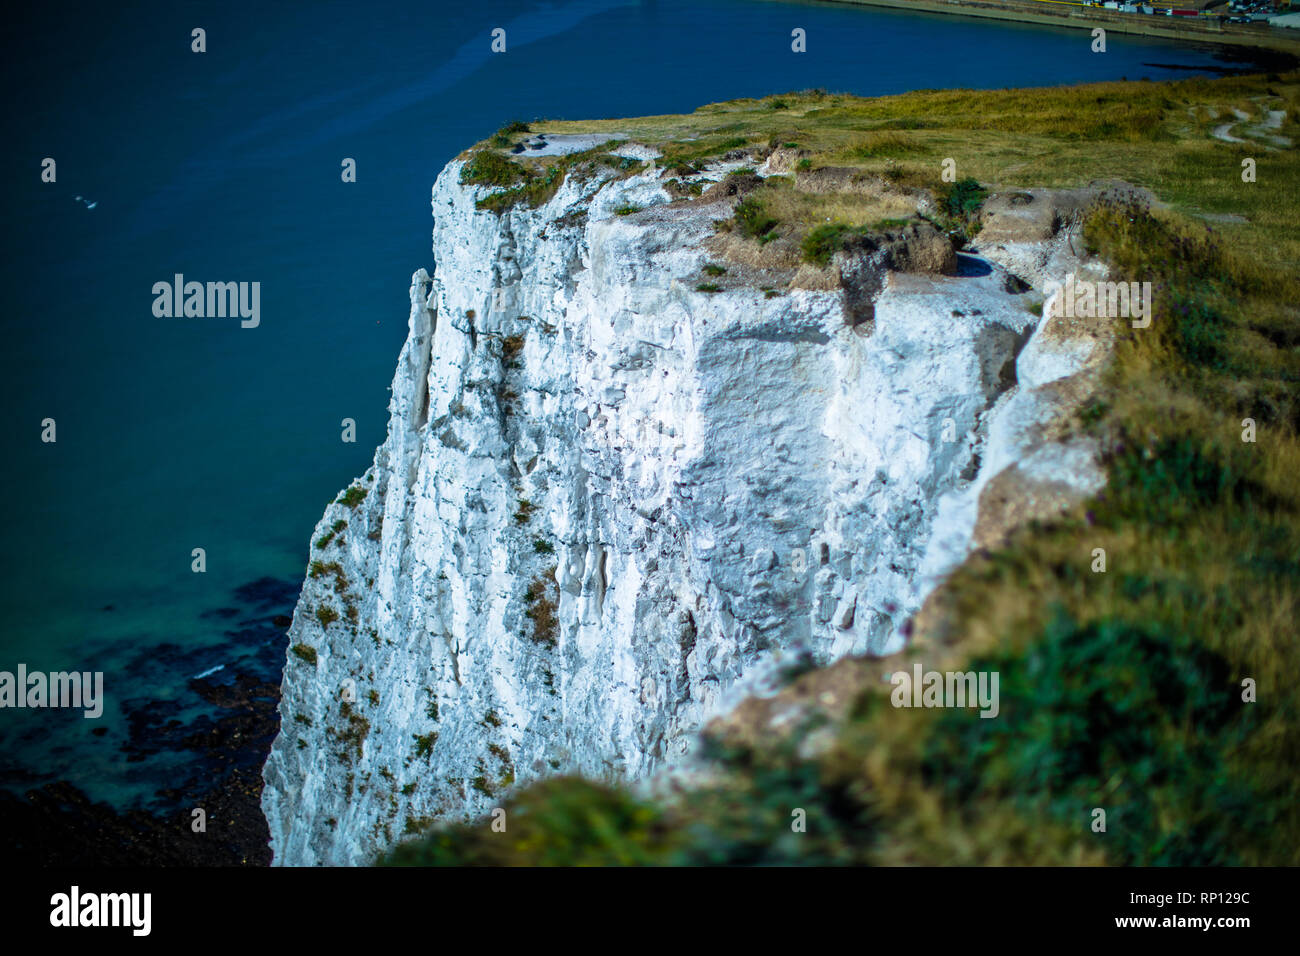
pixel 179 433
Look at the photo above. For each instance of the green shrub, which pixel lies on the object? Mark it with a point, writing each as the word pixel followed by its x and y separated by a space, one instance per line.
pixel 1201 335
pixel 1171 481
pixel 307 653
pixel 505 135
pixel 352 497
pixel 1135 719
pixel 563 822
pixel 752 221
pixel 964 198
pixel 822 242
pixel 486 167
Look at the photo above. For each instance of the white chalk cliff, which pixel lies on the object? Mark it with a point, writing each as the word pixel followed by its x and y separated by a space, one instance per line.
pixel 702 485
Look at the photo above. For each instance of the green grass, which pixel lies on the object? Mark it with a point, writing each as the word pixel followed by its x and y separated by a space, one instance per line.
pixel 1053 137
pixel 352 497
pixel 305 652
pixel 564 822
pixel 533 182
pixel 507 134
pixel 752 220
pixel 487 167
pixel 822 242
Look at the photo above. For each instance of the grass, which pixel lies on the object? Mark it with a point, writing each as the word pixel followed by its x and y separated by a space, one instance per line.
pixel 1121 690
pixel 524 513
pixel 532 182
pixel 822 242
pixel 352 497
pixel 352 735
pixel 320 569
pixel 507 134
pixel 305 652
pixel 560 822
pixel 1155 134
pixel 487 167
pixel 752 220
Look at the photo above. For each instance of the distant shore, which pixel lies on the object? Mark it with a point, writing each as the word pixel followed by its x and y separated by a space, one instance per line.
pixel 1066 14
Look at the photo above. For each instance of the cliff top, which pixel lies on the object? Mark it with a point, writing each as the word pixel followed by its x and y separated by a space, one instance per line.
pixel 1155 685
pixel 827 151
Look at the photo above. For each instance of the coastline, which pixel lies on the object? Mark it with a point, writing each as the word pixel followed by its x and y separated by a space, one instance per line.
pixel 1065 14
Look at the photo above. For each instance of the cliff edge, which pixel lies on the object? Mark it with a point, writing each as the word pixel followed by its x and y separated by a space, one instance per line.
pixel 640 458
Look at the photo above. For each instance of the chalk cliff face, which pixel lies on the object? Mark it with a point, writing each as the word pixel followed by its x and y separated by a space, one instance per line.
pixel 610 504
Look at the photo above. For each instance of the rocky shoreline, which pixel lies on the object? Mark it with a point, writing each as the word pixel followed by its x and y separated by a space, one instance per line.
pixel 218 733
pixel 1282 42
pixel 58 825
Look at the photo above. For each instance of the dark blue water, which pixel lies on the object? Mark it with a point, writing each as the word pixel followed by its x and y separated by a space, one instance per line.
pixel 175 434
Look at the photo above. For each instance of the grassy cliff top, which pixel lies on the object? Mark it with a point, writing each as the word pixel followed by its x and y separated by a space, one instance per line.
pixel 1158 135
